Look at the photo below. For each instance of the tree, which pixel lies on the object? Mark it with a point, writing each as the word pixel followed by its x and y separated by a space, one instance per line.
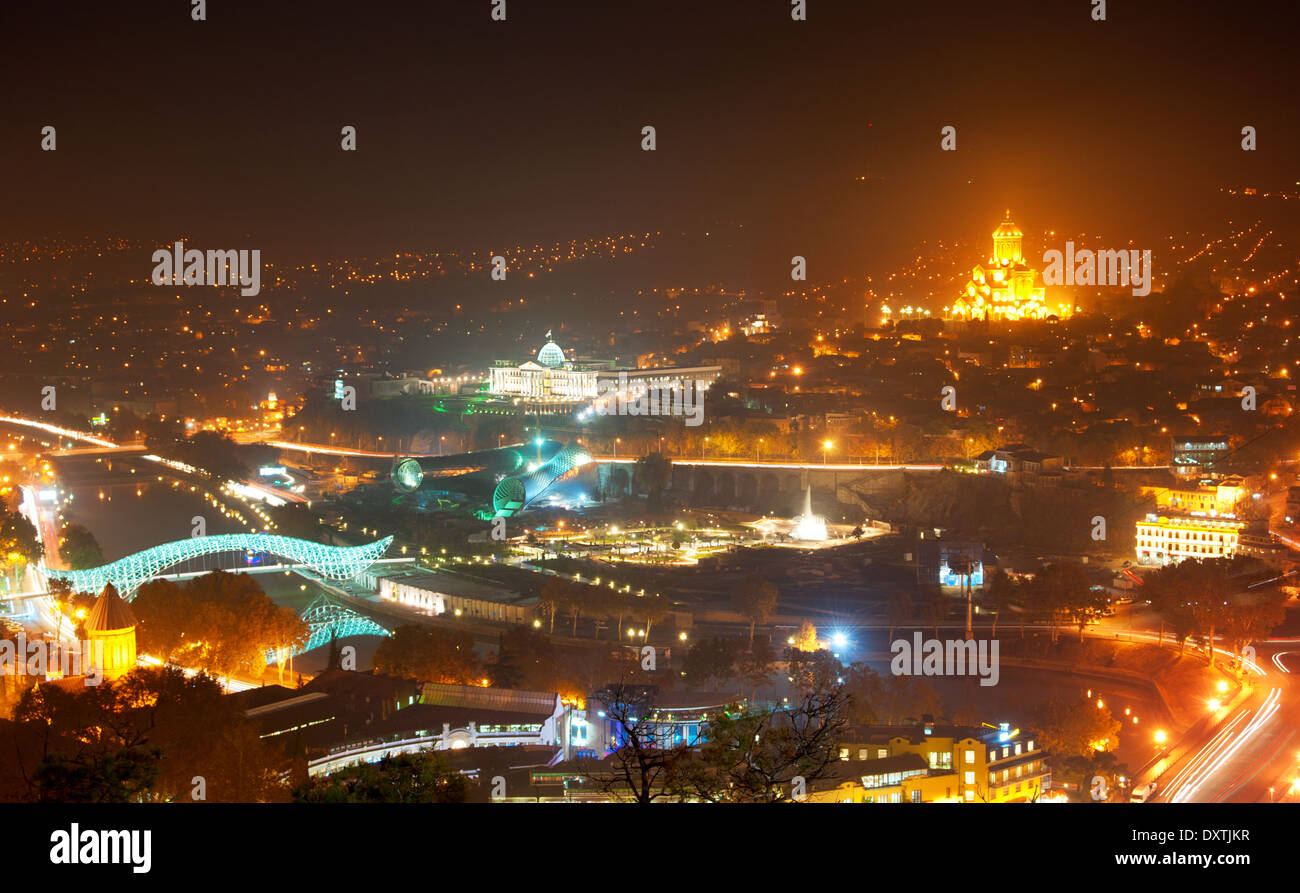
pixel 806 638
pixel 219 621
pixel 1003 593
pixel 505 672
pixel 756 666
pixel 753 755
pixel 401 778
pixel 1254 615
pixel 1076 729
pixel 1062 590
pixel 964 566
pixel 531 652
pixel 865 688
pixel 553 595
pixel 60 594
pixel 1081 770
pixel 79 549
pixel 142 737
pixel 651 476
pixel 18 542
pixel 1066 587
pixel 577 597
pixel 812 670
pixel 653 608
pixel 710 660
pixel 755 598
pixel 429 654
pixel 641 766
pixel 123 776
pixel 1217 594
pixel 1163 589
pixel 907 697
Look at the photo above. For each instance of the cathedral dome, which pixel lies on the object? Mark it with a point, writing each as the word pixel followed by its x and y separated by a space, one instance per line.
pixel 1007 230
pixel 551 354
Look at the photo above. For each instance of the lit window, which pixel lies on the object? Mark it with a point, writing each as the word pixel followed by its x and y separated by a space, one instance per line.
pixel 970 756
pixel 970 778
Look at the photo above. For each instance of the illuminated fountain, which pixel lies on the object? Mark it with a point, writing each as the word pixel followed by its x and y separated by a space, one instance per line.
pixel 808 527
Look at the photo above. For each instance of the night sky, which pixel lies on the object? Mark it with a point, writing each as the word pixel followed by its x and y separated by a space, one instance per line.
pixel 476 134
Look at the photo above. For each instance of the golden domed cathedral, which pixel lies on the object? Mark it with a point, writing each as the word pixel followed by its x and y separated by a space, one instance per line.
pixel 112 622
pixel 1006 287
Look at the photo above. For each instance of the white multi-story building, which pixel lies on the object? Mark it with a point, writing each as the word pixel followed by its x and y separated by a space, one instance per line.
pixel 1168 539
pixel 550 379
pixel 553 379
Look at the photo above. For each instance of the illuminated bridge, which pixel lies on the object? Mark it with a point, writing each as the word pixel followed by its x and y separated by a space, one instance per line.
pixel 514 493
pixel 326 619
pixel 332 562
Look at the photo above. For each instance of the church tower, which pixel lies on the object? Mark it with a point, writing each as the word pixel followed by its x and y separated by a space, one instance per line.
pixel 1006 242
pixel 112 623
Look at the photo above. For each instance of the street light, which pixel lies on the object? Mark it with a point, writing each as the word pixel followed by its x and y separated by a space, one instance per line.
pixel 826 446
pixel 756 447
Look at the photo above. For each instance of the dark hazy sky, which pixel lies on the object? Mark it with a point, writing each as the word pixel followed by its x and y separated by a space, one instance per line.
pixel 474 133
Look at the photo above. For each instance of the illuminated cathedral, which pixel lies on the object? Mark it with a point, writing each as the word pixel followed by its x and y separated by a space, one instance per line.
pixel 1005 287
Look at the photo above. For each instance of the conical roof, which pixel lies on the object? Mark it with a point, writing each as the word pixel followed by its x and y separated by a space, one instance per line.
pixel 111 612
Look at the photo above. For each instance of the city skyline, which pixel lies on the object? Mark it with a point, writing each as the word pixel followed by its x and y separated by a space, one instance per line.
pixel 817 402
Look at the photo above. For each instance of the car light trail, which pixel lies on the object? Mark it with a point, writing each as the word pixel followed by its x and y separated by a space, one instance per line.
pixel 1222 748
pixel 55 429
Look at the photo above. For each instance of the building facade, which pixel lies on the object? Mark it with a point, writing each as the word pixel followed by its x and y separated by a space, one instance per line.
pixel 111 624
pixel 1168 539
pixel 935 763
pixel 551 378
pixel 1194 457
pixel 1005 287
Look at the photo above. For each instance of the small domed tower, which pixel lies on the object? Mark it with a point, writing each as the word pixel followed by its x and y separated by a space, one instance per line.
pixel 112 623
pixel 1006 242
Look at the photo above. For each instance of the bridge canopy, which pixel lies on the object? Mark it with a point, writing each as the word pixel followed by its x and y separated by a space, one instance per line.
pixel 326 619
pixel 127 574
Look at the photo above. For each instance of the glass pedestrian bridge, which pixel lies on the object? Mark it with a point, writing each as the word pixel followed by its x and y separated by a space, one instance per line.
pixel 127 574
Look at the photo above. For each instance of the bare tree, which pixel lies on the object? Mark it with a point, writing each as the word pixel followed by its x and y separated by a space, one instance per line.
pixel 640 767
pixel 756 755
